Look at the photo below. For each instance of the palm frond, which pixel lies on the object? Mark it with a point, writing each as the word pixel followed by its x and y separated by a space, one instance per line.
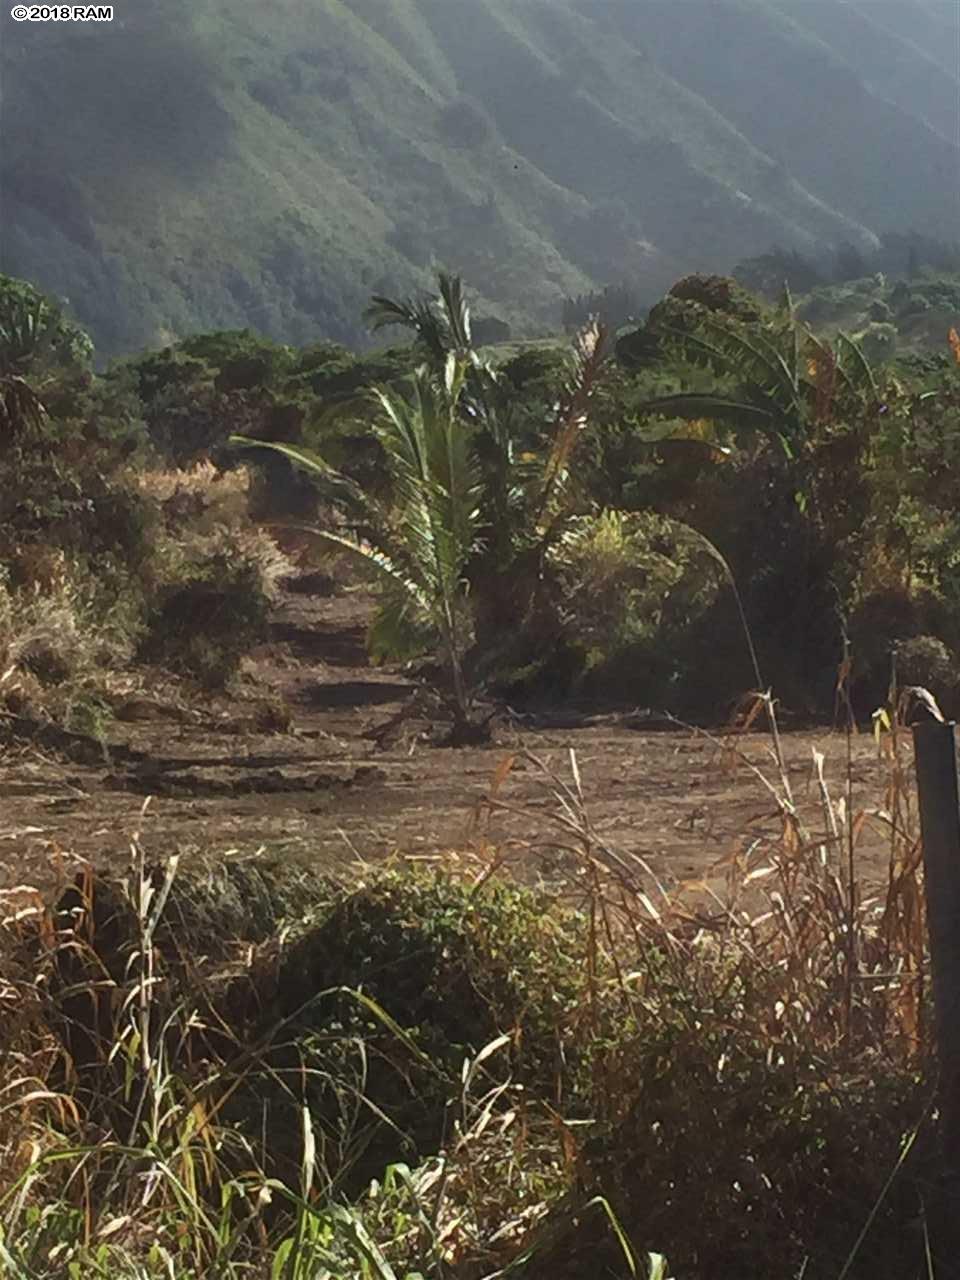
pixel 384 565
pixel 401 628
pixel 333 482
pixel 22 412
pixel 456 313
pixel 752 360
pixel 435 473
pixel 416 314
pixel 22 329
pixel 589 353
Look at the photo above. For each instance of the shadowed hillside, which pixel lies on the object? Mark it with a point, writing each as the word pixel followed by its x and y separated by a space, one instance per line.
pixel 272 165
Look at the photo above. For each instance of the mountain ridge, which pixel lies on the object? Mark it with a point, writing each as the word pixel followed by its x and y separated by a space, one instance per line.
pixel 204 167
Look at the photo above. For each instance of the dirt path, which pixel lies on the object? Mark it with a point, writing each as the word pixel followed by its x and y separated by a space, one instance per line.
pixel 334 790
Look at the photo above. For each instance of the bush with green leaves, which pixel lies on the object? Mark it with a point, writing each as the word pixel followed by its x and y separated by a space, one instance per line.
pixel 783 1154
pixel 390 990
pixel 208 618
pixel 632 582
pixel 39 350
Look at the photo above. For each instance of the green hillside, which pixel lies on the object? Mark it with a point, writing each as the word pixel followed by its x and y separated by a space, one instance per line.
pixel 216 165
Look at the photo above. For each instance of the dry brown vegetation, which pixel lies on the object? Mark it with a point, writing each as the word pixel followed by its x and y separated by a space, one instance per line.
pixel 592 1070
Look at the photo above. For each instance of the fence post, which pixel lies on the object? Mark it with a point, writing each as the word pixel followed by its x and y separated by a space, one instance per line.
pixel 935 754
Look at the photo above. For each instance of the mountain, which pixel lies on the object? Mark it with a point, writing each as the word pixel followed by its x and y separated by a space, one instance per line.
pixel 211 165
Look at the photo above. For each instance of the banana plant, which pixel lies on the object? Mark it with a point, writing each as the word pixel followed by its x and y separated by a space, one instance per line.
pixel 786 380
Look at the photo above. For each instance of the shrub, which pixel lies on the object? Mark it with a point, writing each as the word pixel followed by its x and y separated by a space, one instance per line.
pixel 782 1154
pixel 879 341
pixel 198 500
pixel 928 662
pixel 891 620
pixel 630 578
pixel 451 969
pixel 206 621
pixel 60 641
pixel 75 507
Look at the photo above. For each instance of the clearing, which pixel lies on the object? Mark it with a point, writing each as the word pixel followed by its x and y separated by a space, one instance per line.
pixel 339 787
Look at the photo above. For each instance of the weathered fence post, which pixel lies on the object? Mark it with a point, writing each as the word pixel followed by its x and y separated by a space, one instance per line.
pixel 935 748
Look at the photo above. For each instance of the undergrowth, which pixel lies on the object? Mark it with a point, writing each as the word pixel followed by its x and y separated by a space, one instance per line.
pixel 449 1072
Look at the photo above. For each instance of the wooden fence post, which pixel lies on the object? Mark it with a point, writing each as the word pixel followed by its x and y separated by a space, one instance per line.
pixel 935 753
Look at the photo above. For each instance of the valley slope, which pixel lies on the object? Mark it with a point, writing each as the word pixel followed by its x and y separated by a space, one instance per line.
pixel 221 165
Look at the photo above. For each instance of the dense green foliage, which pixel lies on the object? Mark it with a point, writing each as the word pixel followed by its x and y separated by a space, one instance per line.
pixel 593 519
pixel 746 449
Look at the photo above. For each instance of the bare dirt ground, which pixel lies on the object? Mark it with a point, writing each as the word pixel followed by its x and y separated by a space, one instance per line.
pixel 339 787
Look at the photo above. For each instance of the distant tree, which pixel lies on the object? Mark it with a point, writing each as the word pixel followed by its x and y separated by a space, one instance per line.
pixel 243 359
pixel 908 252
pixel 681 311
pixel 488 330
pixel 614 306
pixel 878 342
pixel 718 293
pixel 880 311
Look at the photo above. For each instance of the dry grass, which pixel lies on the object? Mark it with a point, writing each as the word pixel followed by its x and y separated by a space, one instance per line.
pixel 219 497
pixel 58 649
pixel 792 906
pixel 788 986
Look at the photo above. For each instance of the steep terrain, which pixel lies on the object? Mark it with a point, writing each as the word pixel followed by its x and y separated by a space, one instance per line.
pixel 271 165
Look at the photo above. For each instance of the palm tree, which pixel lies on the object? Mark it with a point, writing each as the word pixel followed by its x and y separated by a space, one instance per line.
pixel 529 496
pixel 420 550
pixel 462 552
pixel 438 331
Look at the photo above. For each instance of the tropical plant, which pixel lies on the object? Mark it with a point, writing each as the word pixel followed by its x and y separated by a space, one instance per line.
pixel 775 380
pixel 438 331
pixel 527 494
pixel 21 337
pixel 419 550
pixel 531 496
pixel 37 343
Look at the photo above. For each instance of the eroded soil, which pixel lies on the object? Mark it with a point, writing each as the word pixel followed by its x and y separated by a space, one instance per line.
pixel 345 783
